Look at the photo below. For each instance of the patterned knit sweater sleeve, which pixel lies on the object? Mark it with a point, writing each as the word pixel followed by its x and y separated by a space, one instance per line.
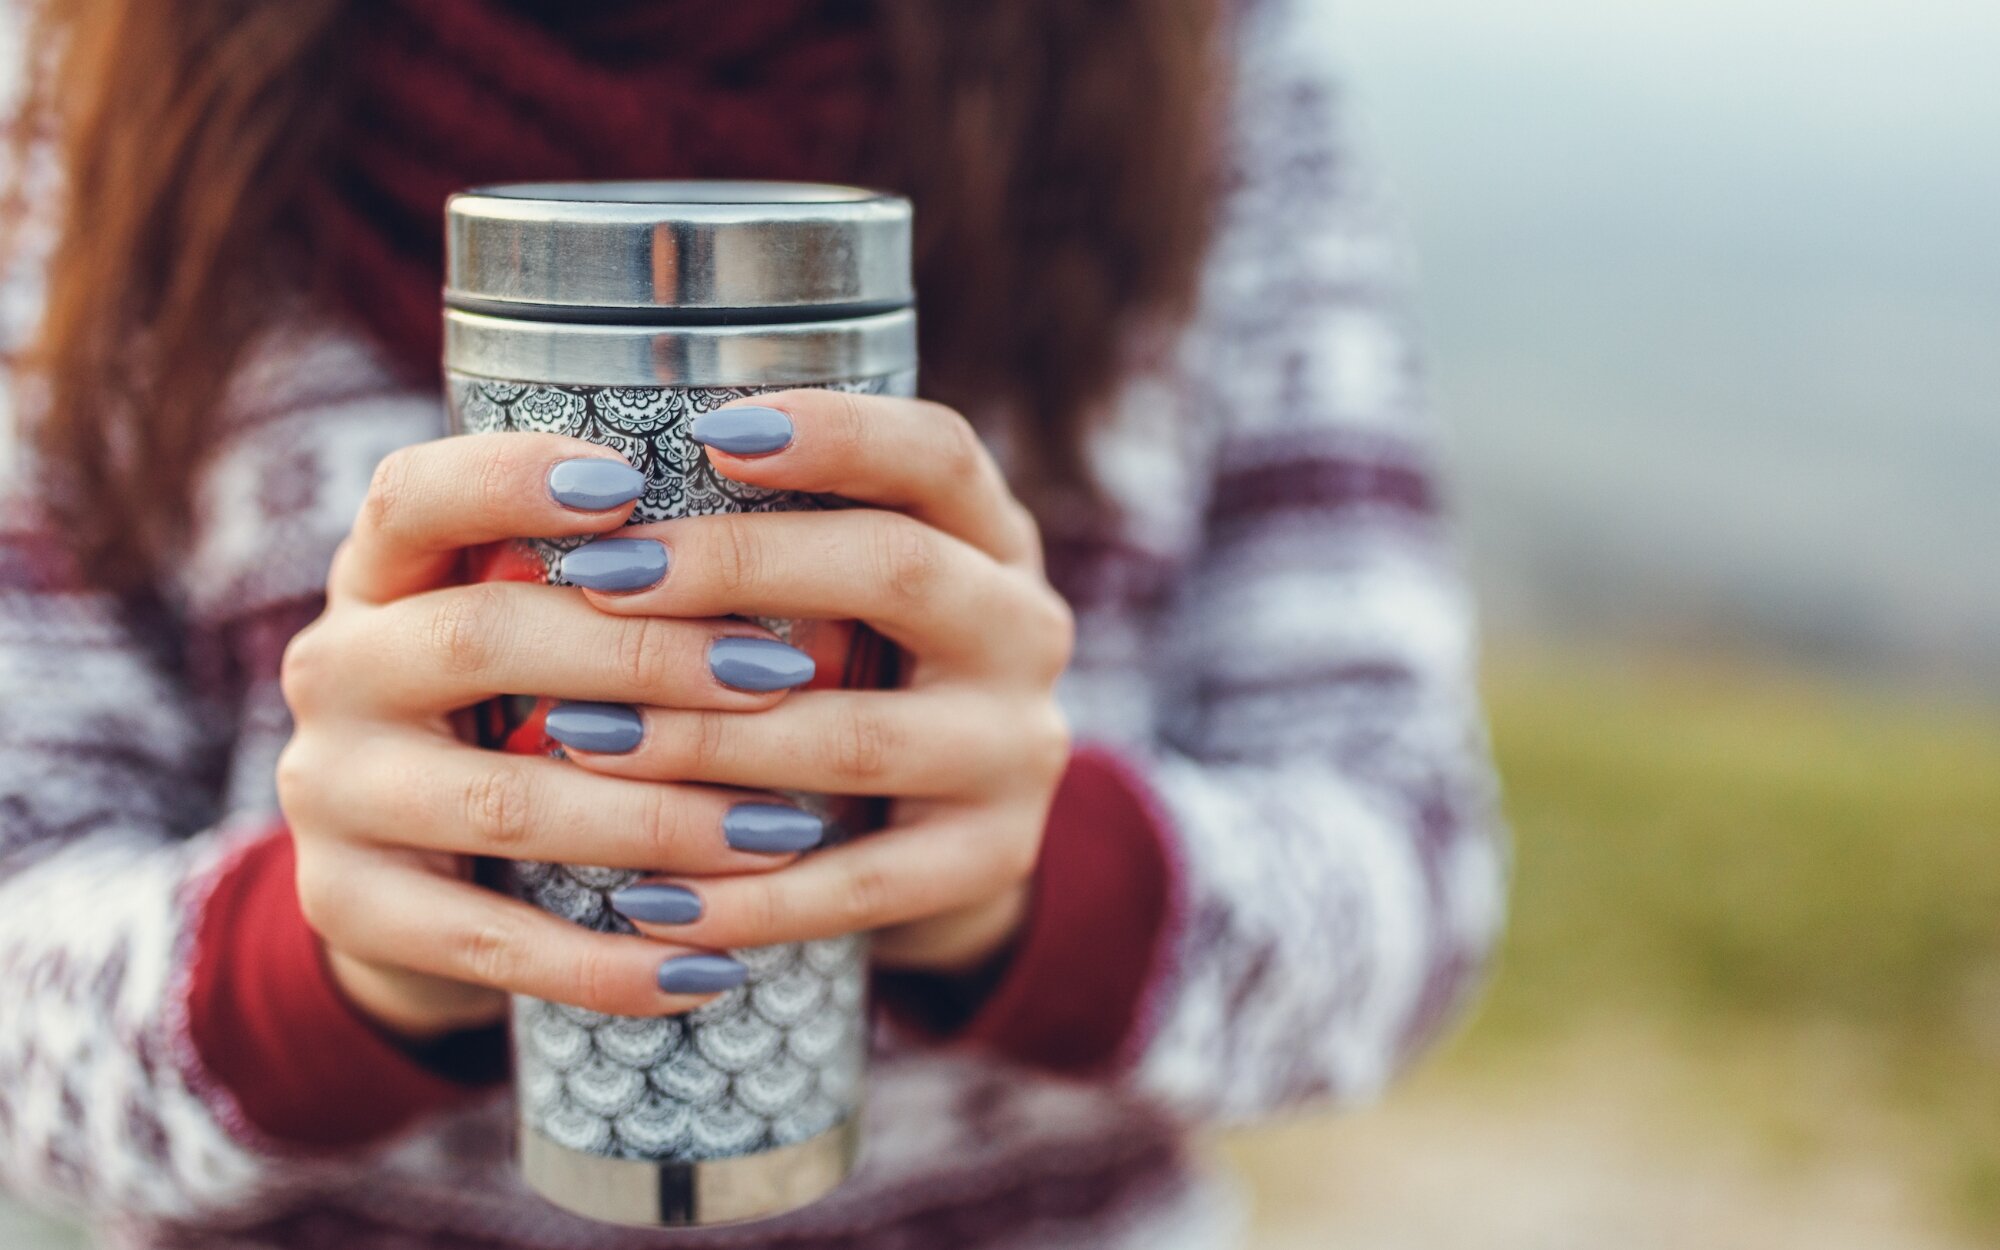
pixel 106 765
pixel 111 780
pixel 1320 757
pixel 125 1036
pixel 1276 870
pixel 172 1049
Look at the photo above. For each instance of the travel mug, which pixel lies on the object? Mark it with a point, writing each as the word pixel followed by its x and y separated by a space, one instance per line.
pixel 617 312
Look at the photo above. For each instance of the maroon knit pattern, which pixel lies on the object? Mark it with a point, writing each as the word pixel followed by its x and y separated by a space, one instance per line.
pixel 445 94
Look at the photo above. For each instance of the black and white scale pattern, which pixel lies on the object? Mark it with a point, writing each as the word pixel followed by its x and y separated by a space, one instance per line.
pixel 779 1060
pixel 775 1062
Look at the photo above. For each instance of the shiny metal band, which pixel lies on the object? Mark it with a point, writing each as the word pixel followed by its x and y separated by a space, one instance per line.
pixel 681 1194
pixel 569 354
pixel 569 251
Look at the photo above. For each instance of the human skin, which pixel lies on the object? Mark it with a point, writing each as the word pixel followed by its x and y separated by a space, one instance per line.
pixel 388 806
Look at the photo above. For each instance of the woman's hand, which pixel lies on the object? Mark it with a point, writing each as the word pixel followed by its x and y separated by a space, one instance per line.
pixel 945 563
pixel 387 805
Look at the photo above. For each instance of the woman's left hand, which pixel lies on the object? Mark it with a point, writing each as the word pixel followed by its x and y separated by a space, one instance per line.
pixel 943 561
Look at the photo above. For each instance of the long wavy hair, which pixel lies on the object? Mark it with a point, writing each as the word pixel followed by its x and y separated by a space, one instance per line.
pixel 1059 153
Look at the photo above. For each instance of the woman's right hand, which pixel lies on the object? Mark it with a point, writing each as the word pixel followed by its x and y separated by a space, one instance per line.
pixel 388 806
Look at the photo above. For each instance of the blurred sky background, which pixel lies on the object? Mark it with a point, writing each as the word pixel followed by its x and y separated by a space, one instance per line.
pixel 1714 293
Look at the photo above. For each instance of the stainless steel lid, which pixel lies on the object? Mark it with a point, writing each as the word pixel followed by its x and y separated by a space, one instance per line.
pixel 797 353
pixel 677 253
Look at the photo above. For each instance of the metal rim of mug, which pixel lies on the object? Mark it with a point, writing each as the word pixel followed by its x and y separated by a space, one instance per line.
pixel 690 1193
pixel 573 354
pixel 564 251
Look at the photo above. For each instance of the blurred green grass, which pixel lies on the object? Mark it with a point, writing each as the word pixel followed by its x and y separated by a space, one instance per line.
pixel 1796 883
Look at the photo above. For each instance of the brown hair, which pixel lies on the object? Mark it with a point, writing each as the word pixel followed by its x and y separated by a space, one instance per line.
pixel 1059 154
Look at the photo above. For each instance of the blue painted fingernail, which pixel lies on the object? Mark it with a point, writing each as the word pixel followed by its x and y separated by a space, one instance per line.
pixel 656 903
pixel 743 431
pixel 593 485
pixel 615 564
pixel 701 974
pixel 606 728
pixel 758 664
pixel 771 828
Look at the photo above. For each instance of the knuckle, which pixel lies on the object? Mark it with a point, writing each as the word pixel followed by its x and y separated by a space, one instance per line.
pixel 386 507
pixel 324 901
pixel 1058 633
pixel 295 777
pixel 594 974
pixel 646 653
pixel 464 628
pixel 1021 531
pixel 662 827
pixel 343 560
pixel 908 559
pixel 736 560
pixel 962 457
pixel 846 428
pixel 498 804
pixel 862 748
pixel 493 489
pixel 302 671
pixel 766 913
pixel 1026 527
pixel 1050 743
pixel 492 952
pixel 867 899
pixel 707 742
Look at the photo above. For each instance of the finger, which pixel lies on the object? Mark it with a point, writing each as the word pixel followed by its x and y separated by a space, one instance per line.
pixel 417 791
pixel 445 649
pixel 908 454
pixel 899 875
pixel 429 501
pixel 389 911
pixel 960 942
pixel 921 588
pixel 906 743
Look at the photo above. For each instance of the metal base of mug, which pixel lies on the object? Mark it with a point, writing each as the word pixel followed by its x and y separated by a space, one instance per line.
pixel 690 1193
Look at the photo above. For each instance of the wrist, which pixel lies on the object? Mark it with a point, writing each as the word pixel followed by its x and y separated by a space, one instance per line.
pixel 413 1010
pixel 283 1046
pixel 959 943
pixel 1071 993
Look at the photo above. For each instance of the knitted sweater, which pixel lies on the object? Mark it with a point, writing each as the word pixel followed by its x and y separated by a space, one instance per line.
pixel 1271 874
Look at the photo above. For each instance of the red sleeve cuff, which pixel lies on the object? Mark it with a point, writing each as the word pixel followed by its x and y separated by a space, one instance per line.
pixel 273 1030
pixel 1073 996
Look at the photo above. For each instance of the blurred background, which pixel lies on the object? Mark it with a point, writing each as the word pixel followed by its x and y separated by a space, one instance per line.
pixel 1713 288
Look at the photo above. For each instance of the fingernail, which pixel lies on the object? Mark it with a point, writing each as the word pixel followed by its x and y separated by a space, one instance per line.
pixel 701 974
pixel 758 664
pixel 615 564
pixel 743 431
pixel 771 828
pixel 606 728
pixel 594 485
pixel 653 903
